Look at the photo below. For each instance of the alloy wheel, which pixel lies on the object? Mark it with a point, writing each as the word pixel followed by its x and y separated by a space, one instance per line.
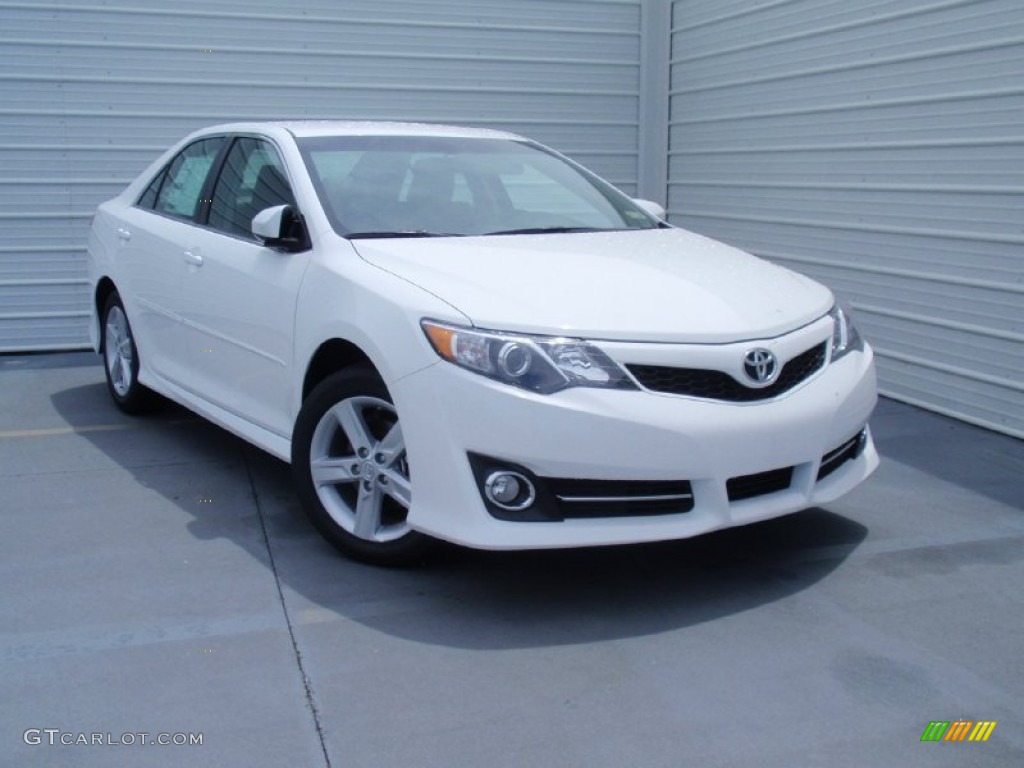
pixel 359 468
pixel 118 351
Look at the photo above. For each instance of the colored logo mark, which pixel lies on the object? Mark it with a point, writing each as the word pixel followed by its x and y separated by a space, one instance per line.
pixel 958 730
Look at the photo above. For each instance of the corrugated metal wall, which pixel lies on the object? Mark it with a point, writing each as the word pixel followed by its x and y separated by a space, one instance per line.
pixel 91 93
pixel 879 146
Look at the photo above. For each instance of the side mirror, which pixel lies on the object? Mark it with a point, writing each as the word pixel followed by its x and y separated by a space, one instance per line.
pixel 651 207
pixel 281 227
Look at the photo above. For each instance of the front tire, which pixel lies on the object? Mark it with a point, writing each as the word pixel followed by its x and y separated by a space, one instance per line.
pixel 351 469
pixel 121 360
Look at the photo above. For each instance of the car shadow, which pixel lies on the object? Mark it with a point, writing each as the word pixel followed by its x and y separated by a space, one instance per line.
pixel 458 597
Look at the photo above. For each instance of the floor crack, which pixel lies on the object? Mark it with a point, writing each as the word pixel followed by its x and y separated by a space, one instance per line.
pixel 307 684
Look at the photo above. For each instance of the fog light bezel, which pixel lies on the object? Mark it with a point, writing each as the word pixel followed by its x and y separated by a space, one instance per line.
pixel 543 508
pixel 524 499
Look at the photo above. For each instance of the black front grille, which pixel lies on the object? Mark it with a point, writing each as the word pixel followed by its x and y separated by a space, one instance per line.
pixel 719 385
pixel 576 498
pixel 760 484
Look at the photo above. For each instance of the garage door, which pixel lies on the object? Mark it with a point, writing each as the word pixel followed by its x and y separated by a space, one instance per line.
pixel 91 93
pixel 877 145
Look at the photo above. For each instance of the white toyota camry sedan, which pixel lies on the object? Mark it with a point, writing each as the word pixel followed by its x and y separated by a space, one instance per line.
pixel 461 334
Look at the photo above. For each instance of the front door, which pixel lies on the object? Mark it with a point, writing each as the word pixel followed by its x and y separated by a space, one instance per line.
pixel 239 296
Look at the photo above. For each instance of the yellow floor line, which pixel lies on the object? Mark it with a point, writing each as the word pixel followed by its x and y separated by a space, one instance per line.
pixel 15 433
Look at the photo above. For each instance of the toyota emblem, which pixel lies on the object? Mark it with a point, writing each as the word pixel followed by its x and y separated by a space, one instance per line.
pixel 761 366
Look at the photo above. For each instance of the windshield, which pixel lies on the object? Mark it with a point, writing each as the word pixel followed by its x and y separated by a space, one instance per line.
pixel 409 186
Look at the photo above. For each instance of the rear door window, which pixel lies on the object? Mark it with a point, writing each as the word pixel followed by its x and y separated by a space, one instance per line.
pixel 185 178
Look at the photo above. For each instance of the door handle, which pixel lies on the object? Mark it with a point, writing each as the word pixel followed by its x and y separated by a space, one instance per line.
pixel 124 233
pixel 193 258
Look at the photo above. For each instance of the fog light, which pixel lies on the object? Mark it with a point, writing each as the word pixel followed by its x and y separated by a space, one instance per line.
pixel 509 490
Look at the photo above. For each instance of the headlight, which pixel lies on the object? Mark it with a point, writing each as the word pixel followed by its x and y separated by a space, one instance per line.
pixel 541 364
pixel 844 335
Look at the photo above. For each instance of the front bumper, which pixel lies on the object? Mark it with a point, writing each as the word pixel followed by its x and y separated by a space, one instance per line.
pixel 448 413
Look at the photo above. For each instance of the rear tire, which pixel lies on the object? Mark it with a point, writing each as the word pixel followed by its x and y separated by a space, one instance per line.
pixel 121 360
pixel 351 469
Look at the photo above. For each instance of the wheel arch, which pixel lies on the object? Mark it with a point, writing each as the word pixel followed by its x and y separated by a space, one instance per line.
pixel 330 357
pixel 104 288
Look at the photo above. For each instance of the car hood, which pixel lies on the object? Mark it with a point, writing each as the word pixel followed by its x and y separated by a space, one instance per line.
pixel 651 285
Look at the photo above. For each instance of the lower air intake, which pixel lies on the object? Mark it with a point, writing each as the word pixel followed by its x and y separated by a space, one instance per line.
pixel 760 484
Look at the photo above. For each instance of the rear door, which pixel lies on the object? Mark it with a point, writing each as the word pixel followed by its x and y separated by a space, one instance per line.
pixel 154 242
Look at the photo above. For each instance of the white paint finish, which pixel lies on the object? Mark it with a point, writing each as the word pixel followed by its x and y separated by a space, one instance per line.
pixel 656 285
pixel 595 433
pixel 878 147
pixel 239 323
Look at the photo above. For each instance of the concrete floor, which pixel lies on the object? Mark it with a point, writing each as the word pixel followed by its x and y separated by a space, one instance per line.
pixel 159 577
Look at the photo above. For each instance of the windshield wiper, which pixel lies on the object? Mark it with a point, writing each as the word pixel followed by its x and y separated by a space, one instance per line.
pixel 398 233
pixel 548 230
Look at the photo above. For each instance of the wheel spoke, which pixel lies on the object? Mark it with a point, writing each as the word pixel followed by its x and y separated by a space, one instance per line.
pixel 113 345
pixel 126 372
pixel 398 488
pixel 368 509
pixel 392 445
pixel 113 363
pixel 350 419
pixel 332 471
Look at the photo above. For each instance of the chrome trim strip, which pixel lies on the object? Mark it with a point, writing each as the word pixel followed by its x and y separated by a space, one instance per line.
pixel 620 499
pixel 832 455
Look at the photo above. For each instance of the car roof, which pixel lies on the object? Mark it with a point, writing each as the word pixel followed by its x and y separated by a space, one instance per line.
pixel 307 128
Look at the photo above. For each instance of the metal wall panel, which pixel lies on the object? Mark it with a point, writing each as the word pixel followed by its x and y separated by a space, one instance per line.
pixel 91 93
pixel 877 145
